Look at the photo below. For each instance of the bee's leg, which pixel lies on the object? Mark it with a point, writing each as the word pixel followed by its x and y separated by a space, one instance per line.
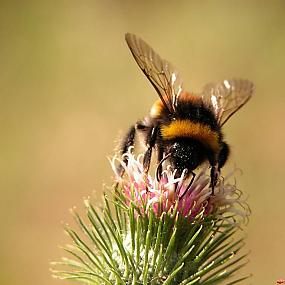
pixel 126 144
pixel 216 167
pixel 214 177
pixel 223 155
pixel 150 143
pixel 214 173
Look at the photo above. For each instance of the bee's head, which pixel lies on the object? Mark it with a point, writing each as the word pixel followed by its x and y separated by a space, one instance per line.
pixel 187 154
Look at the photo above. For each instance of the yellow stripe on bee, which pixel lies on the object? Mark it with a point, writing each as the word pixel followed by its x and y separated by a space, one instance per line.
pixel 188 129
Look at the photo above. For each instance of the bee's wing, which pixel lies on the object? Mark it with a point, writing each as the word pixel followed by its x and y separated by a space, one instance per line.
pixel 160 72
pixel 227 97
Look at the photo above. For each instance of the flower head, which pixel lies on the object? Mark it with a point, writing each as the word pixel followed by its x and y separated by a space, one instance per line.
pixel 158 231
pixel 171 192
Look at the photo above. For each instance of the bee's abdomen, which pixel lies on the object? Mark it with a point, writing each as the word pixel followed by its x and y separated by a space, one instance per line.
pixel 194 130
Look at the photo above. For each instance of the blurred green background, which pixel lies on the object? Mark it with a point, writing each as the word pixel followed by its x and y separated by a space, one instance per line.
pixel 69 88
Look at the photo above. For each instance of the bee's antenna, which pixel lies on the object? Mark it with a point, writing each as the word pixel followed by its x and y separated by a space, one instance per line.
pixel 189 185
pixel 157 172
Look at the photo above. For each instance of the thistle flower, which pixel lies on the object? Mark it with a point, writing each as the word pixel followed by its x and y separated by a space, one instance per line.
pixel 171 192
pixel 162 231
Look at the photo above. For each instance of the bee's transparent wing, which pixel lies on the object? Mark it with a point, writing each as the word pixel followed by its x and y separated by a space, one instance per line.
pixel 227 97
pixel 160 72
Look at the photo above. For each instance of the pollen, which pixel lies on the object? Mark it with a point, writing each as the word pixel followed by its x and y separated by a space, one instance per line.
pixel 156 109
pixel 188 129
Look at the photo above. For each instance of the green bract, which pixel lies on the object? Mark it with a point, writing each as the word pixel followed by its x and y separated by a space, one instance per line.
pixel 118 245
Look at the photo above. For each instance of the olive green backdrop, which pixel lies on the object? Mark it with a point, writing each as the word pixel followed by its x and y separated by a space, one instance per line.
pixel 69 88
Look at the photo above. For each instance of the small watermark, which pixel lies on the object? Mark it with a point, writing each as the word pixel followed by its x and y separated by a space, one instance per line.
pixel 280 281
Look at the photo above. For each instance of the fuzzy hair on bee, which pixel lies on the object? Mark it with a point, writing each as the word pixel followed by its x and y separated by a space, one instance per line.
pixel 184 128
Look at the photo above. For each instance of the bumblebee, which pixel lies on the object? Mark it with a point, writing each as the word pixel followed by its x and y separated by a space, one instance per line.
pixel 184 128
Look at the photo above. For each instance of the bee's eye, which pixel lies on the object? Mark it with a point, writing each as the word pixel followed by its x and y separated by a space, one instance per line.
pixel 140 126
